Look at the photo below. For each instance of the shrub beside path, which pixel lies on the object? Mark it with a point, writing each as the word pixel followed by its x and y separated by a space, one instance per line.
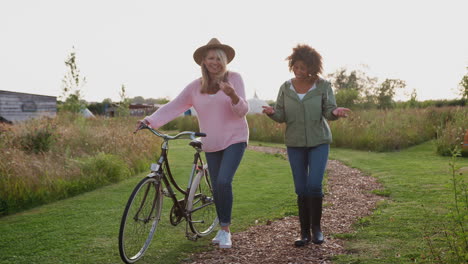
pixel 349 197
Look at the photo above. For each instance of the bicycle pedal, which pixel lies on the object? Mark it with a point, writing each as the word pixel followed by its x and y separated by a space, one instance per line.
pixel 166 192
pixel 191 238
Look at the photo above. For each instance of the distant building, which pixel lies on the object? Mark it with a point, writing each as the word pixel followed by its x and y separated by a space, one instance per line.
pixel 17 107
pixel 142 109
pixel 255 104
pixel 135 109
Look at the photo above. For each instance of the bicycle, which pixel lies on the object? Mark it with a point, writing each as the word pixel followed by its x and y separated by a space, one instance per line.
pixel 143 210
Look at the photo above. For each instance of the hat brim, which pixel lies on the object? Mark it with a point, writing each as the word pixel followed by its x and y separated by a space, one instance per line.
pixel 200 52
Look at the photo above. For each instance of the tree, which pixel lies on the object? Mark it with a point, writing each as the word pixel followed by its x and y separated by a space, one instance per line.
pixel 368 100
pixel 351 88
pixel 386 91
pixel 72 83
pixel 137 100
pixel 107 101
pixel 161 100
pixel 100 108
pixel 341 80
pixel 123 109
pixel 347 97
pixel 97 108
pixel 413 102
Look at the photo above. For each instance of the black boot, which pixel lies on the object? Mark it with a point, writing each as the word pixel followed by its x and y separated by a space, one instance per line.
pixel 315 205
pixel 304 219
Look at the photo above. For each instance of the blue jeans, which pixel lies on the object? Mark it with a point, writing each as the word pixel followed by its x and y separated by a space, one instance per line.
pixel 308 167
pixel 222 166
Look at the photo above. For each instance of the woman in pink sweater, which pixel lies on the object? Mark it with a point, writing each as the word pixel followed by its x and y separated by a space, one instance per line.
pixel 218 97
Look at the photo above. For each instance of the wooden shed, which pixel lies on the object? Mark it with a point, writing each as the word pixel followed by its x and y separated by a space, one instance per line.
pixel 22 106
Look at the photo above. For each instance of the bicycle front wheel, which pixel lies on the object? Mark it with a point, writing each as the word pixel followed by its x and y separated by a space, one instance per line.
pixel 202 216
pixel 140 219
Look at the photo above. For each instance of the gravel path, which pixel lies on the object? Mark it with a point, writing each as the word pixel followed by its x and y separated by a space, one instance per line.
pixel 349 198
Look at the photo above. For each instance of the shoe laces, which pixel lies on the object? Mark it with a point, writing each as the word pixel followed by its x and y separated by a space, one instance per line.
pixel 224 235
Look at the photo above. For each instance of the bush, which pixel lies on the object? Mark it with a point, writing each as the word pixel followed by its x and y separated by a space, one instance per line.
pixel 451 133
pixel 40 140
pixel 182 123
pixel 103 169
pixel 188 123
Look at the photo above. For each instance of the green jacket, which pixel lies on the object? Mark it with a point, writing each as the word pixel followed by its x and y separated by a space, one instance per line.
pixel 306 119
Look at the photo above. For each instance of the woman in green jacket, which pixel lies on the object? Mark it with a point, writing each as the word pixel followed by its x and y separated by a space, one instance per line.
pixel 305 103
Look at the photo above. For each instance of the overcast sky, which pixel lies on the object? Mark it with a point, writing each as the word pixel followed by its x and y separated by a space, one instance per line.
pixel 148 45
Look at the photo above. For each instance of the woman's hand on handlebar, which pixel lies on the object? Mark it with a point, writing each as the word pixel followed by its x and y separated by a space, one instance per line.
pixel 141 124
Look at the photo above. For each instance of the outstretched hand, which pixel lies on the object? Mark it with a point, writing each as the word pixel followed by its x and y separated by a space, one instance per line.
pixel 341 112
pixel 268 110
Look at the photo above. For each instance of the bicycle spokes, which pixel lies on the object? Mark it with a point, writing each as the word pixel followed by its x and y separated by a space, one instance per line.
pixel 201 207
pixel 140 219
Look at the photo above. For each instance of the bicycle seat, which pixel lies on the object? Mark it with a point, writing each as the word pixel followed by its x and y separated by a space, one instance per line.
pixel 195 143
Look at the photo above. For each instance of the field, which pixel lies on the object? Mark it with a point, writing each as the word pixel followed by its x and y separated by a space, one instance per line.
pixel 64 184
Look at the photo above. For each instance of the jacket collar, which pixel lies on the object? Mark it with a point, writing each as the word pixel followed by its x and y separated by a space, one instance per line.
pixel 317 91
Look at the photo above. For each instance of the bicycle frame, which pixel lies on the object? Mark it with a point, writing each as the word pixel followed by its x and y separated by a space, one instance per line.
pixel 162 172
pixel 142 212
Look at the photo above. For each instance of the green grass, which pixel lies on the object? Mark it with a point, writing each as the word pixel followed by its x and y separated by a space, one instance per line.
pixel 416 183
pixel 84 229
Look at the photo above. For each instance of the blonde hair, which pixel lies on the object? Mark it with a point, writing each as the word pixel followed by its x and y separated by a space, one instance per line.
pixel 207 83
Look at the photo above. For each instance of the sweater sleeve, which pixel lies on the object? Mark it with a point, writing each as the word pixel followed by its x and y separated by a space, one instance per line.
pixel 173 109
pixel 329 103
pixel 279 115
pixel 242 107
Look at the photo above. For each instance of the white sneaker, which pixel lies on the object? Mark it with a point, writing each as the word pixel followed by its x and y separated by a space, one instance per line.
pixel 216 239
pixel 225 239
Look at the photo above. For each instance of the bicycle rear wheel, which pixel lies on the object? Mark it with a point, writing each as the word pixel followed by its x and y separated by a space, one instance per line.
pixel 200 205
pixel 140 219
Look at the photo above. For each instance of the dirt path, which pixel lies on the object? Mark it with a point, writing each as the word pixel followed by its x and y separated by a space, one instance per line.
pixel 349 198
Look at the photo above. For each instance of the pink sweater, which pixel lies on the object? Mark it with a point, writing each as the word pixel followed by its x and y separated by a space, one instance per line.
pixel 224 123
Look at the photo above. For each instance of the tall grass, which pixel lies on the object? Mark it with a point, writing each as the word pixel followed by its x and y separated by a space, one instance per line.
pixel 452 134
pixel 448 241
pixel 50 159
pixel 262 128
pixel 382 130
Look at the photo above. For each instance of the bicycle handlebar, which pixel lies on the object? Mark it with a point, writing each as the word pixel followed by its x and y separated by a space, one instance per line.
pixel 190 134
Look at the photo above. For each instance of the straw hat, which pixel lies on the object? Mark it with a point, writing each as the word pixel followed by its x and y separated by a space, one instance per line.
pixel 213 44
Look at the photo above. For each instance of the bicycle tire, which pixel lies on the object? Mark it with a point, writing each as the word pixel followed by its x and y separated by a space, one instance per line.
pixel 202 216
pixel 140 219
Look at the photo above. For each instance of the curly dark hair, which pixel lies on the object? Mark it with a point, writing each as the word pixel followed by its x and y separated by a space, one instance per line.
pixel 308 55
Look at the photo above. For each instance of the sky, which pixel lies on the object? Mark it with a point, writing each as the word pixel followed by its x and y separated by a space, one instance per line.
pixel 148 45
